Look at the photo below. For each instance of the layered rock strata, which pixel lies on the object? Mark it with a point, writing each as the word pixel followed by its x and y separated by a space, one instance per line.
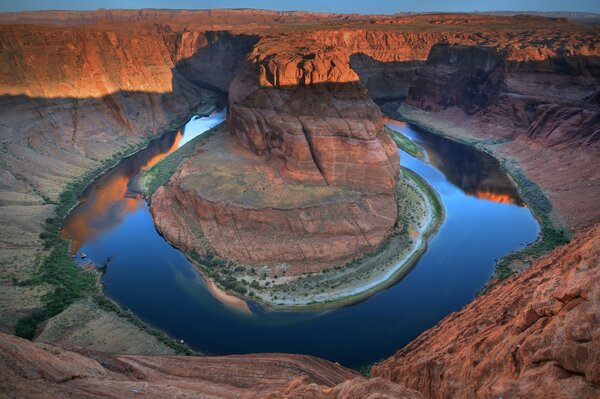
pixel 533 106
pixel 102 100
pixel 313 184
pixel 41 371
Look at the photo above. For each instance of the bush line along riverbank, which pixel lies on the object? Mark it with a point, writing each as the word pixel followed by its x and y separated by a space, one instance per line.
pixel 552 233
pixel 68 282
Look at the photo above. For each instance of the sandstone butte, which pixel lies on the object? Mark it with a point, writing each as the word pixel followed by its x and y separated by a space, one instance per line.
pixel 79 88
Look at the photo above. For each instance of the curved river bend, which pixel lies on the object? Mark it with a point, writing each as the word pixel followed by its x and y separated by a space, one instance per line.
pixel 485 220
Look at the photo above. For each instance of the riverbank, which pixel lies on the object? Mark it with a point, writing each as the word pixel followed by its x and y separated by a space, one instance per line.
pixel 71 289
pixel 553 233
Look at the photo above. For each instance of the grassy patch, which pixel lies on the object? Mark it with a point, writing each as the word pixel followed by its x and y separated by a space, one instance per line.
pixel 407 145
pixel 69 283
pixel 433 199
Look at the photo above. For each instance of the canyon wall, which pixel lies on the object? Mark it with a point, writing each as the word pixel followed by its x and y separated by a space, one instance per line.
pixel 71 98
pixel 535 335
pixel 455 75
pixel 78 88
pixel 534 107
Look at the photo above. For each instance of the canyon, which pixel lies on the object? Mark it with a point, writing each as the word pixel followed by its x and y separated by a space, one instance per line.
pixel 78 89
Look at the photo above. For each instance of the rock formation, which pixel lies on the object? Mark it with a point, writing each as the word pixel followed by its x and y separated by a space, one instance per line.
pixel 78 88
pixel 535 335
pixel 41 371
pixel 454 75
pixel 327 170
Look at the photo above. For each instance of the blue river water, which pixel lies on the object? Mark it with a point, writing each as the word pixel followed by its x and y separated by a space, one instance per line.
pixel 485 220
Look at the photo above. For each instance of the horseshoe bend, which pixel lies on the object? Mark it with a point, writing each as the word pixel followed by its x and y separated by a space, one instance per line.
pixel 236 185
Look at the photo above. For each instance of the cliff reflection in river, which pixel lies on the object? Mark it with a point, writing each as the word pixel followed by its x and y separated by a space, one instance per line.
pixel 475 172
pixel 104 204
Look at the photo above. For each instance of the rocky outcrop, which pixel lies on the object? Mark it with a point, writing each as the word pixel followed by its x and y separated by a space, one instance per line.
pixel 210 59
pixel 315 157
pixel 535 335
pixel 231 202
pixel 40 371
pixel 311 113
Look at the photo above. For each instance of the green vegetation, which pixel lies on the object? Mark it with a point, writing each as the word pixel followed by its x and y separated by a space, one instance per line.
pixel 433 199
pixel 551 235
pixel 70 283
pixel 221 272
pixel 160 173
pixel 407 145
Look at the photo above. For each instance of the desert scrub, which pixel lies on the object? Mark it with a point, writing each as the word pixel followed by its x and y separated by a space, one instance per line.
pixel 552 235
pixel 69 283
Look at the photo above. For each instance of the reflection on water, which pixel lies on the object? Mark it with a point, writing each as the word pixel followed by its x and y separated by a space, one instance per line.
pixel 475 172
pixel 105 202
pixel 156 282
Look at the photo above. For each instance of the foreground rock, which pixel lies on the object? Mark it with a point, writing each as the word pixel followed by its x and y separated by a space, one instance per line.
pixel 535 335
pixel 41 371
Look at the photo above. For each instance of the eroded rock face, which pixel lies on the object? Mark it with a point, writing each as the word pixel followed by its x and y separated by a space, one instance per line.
pixel 535 335
pixel 41 371
pixel 310 145
pixel 311 113
pixel 538 104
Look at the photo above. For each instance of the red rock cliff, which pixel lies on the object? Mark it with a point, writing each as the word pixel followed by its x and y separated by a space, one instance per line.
pixel 311 112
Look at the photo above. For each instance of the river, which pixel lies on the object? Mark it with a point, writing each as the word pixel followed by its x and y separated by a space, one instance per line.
pixel 485 220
